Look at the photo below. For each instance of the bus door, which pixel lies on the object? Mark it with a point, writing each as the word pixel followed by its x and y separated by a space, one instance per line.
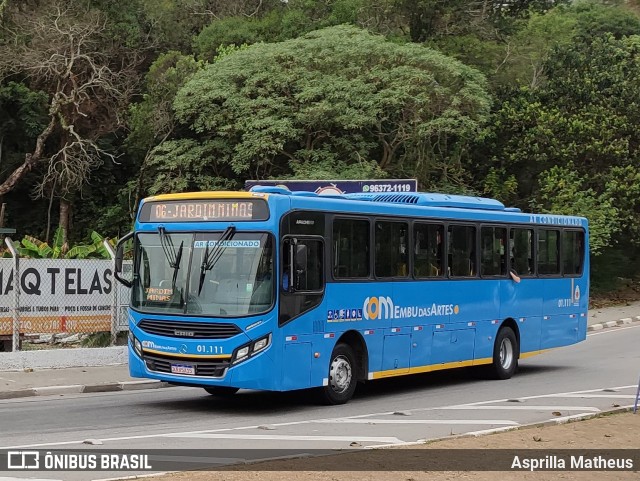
pixel 458 303
pixel 393 300
pixel 302 312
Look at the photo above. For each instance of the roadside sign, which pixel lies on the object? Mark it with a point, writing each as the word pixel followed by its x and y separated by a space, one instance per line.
pixel 333 187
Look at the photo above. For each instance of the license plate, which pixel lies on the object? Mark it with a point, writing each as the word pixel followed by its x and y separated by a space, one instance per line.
pixel 182 369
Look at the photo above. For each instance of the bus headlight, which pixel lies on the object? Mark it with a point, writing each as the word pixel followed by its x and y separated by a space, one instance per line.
pixel 244 352
pixel 241 354
pixel 137 347
pixel 261 344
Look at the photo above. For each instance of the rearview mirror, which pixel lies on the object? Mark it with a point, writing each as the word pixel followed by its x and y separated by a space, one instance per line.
pixel 120 258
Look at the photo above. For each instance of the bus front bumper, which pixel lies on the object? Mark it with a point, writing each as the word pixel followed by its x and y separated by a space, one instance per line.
pixel 257 372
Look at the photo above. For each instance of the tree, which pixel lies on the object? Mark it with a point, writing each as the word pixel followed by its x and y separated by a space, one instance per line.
pixel 337 98
pixel 152 121
pixel 578 132
pixel 61 50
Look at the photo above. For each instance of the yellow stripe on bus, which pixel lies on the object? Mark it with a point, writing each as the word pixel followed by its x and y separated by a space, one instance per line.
pixel 199 356
pixel 446 365
pixel 431 367
pixel 524 355
pixel 207 195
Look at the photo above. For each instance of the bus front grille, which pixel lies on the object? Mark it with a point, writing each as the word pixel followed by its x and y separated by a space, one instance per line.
pixel 190 330
pixel 203 368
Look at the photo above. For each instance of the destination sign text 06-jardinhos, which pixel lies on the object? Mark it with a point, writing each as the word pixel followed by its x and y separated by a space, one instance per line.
pixel 205 210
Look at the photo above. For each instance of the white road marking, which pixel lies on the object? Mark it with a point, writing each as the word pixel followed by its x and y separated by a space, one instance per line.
pixel 286 437
pixel 541 396
pixel 416 421
pixel 293 423
pixel 524 408
pixel 590 395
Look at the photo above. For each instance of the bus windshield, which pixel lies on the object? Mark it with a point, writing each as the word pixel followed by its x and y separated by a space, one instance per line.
pixel 220 274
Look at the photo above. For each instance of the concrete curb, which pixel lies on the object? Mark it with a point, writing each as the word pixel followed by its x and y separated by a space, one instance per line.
pixel 79 388
pixel 619 322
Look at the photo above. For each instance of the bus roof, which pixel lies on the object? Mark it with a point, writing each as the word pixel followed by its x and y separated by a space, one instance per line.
pixel 389 203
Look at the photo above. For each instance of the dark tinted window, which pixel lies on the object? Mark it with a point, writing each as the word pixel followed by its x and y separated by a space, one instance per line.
pixel 492 256
pixel 428 247
pixel 350 248
pixel 521 251
pixel 302 284
pixel 572 252
pixel 548 252
pixel 391 259
pixel 462 251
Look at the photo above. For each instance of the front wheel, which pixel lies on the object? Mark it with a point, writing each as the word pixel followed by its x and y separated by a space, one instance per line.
pixel 221 391
pixel 342 379
pixel 505 354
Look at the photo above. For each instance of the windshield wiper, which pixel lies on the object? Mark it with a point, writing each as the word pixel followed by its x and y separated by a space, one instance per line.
pixel 170 253
pixel 209 259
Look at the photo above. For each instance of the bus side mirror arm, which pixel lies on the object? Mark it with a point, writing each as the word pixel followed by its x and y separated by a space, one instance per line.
pixel 119 259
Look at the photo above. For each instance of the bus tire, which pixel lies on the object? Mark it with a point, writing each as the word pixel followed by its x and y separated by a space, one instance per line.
pixel 505 354
pixel 342 378
pixel 221 391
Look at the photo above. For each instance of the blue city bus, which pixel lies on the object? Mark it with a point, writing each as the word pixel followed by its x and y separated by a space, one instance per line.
pixel 278 290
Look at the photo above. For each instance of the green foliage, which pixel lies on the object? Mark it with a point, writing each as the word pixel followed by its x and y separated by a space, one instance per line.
pixel 294 18
pixel 583 119
pixel 33 248
pixel 563 191
pixel 153 118
pixel 330 102
pixel 341 103
pixel 500 185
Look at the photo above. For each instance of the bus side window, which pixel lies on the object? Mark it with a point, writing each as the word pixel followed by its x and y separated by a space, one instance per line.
pixel 428 250
pixel 462 253
pixel 350 248
pixel 391 250
pixel 521 251
pixel 548 251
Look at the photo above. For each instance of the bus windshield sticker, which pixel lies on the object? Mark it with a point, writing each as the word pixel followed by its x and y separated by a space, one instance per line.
pixel 253 244
pixel 159 294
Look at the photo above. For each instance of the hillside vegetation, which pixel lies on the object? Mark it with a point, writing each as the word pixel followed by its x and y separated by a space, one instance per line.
pixel 533 102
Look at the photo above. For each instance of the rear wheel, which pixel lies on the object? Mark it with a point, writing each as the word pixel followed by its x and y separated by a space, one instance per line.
pixel 505 354
pixel 342 378
pixel 221 391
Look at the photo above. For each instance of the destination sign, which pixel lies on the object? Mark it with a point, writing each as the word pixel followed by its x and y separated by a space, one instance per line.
pixel 204 210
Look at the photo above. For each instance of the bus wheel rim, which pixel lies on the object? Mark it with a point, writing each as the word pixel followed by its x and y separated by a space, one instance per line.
pixel 506 353
pixel 340 374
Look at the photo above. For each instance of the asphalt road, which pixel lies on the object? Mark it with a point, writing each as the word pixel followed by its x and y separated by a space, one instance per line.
pixel 593 376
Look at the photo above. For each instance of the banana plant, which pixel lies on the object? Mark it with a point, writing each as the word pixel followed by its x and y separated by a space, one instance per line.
pixel 37 249
pixel 94 250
